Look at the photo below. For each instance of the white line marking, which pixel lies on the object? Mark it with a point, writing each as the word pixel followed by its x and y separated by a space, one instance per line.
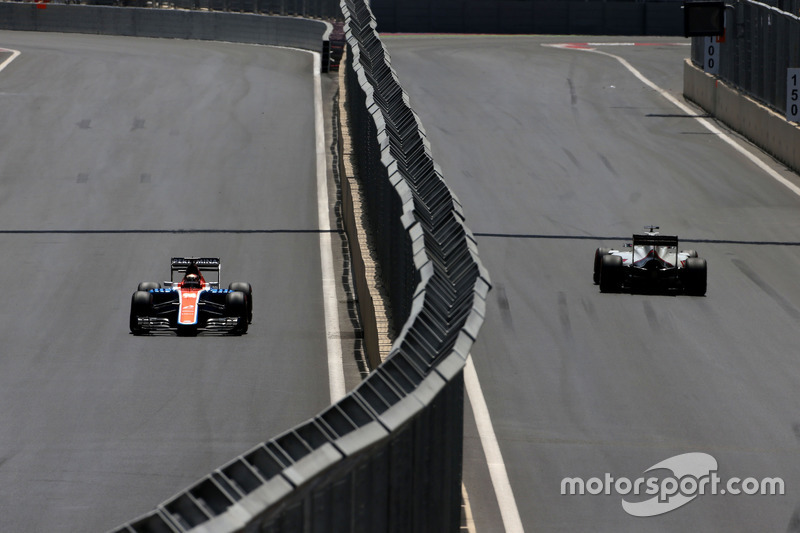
pixel 469 522
pixel 12 57
pixel 639 44
pixel 330 301
pixel 491 449
pixel 704 122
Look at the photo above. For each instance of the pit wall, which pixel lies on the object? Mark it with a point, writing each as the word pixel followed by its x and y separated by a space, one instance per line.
pixel 763 127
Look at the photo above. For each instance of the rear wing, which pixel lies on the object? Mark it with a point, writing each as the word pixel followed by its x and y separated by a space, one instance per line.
pixel 643 239
pixel 204 264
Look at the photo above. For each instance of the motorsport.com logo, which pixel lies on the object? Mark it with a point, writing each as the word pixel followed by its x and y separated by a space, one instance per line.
pixel 693 474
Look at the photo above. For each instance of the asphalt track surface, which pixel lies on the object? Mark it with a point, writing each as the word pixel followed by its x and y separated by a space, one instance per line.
pixel 553 153
pixel 108 146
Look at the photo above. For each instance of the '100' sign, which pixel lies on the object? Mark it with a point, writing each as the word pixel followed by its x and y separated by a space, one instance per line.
pixel 711 59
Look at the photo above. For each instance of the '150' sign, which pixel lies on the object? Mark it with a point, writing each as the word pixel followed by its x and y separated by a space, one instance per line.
pixel 792 96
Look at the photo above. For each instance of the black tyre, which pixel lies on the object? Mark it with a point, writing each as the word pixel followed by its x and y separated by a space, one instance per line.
pixel 610 273
pixel 695 276
pixel 141 302
pixel 598 254
pixel 148 286
pixel 236 306
pixel 248 290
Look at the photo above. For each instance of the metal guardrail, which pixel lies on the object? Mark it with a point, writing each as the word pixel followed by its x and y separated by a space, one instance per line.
pixel 387 457
pixel 325 9
pixel 307 34
pixel 790 6
pixel 761 42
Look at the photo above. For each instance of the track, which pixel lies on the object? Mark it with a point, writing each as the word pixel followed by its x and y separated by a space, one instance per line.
pixel 552 154
pixel 109 146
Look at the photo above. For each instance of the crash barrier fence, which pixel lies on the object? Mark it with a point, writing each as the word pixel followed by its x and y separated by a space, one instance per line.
pixel 789 6
pixel 324 9
pixel 760 43
pixel 306 34
pixel 530 16
pixel 388 456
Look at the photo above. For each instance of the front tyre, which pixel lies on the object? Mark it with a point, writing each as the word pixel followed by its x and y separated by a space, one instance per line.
pixel 149 286
pixel 236 306
pixel 248 290
pixel 141 303
pixel 598 255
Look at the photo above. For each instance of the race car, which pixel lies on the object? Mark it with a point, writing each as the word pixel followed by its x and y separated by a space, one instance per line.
pixel 651 262
pixel 188 304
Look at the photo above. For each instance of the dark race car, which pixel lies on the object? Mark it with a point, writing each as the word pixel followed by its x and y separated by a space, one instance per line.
pixel 192 304
pixel 651 263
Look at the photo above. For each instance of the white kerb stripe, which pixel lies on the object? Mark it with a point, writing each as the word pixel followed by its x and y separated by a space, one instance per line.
pixel 12 57
pixel 491 449
pixel 330 301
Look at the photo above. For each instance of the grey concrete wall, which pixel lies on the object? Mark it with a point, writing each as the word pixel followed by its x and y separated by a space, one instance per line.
pixel 765 128
pixel 294 32
pixel 532 16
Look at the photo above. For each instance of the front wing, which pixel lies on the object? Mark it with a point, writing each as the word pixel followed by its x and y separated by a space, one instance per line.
pixel 165 310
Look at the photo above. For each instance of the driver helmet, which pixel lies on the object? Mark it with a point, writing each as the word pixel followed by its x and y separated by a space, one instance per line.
pixel 191 281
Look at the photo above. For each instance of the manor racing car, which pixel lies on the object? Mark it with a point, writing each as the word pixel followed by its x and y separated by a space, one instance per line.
pixel 188 304
pixel 652 262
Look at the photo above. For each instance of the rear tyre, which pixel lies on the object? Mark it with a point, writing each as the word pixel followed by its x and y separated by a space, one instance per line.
pixel 248 290
pixel 149 286
pixel 695 276
pixel 598 254
pixel 141 302
pixel 236 306
pixel 610 273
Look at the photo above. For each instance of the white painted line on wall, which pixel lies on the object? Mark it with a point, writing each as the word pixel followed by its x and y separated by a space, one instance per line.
pixel 12 57
pixel 703 121
pixel 330 301
pixel 509 511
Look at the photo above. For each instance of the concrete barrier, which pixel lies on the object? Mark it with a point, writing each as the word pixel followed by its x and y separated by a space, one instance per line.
pixel 374 321
pixel 306 34
pixel 762 126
